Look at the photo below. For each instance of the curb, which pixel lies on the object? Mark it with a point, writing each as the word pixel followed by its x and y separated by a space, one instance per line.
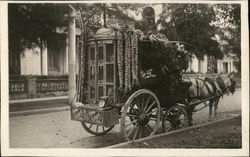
pixel 40 111
pixel 37 99
pixel 172 132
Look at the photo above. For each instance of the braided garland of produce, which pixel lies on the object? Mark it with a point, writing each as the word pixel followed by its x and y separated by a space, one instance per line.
pixel 134 58
pixel 127 60
pixel 127 76
pixel 120 60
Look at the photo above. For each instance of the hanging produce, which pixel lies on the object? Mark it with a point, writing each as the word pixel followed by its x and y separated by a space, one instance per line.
pixel 127 60
pixel 153 54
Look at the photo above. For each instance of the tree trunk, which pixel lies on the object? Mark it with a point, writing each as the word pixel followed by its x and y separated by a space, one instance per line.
pixel 104 16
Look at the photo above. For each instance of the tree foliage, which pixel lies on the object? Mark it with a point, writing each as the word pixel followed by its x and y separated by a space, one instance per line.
pixel 229 29
pixel 191 23
pixel 196 24
pixel 31 24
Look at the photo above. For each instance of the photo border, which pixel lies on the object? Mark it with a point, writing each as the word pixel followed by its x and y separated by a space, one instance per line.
pixel 5 150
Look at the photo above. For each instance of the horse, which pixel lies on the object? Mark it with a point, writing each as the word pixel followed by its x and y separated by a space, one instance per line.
pixel 206 88
pixel 227 84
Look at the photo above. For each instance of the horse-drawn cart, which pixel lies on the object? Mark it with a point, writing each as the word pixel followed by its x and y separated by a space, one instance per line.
pixel 127 84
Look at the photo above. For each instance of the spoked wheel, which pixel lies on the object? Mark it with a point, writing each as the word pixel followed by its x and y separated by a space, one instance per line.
pixel 175 118
pixel 96 130
pixel 140 115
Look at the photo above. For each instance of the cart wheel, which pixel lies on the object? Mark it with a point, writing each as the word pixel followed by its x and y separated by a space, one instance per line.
pixel 175 117
pixel 96 130
pixel 140 115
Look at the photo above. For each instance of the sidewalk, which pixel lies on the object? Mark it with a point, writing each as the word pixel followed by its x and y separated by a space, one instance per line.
pixel 37 105
pixel 42 105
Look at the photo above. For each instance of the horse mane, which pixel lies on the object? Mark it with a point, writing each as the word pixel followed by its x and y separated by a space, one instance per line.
pixel 221 83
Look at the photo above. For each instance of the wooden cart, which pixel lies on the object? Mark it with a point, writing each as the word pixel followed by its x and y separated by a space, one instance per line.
pixel 140 114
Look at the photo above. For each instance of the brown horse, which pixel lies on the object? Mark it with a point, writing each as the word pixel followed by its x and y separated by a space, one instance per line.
pixel 210 87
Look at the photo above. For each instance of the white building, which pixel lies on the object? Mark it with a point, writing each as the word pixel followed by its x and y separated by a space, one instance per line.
pixel 52 59
pixel 225 65
pixel 198 66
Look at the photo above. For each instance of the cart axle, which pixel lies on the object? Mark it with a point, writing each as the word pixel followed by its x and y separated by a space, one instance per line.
pixel 143 119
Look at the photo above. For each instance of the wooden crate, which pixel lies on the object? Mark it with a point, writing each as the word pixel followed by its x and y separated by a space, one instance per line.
pixel 93 114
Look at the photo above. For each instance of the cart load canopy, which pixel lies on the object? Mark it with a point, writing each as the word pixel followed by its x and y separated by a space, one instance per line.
pixel 143 56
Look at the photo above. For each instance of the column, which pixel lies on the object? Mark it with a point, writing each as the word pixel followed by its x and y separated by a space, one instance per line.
pixel 232 66
pixel 72 55
pixel 218 66
pixel 44 52
pixel 221 66
pixel 31 87
pixel 205 64
pixel 66 57
pixel 229 66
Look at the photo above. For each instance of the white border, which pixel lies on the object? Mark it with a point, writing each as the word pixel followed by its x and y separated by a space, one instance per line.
pixel 123 152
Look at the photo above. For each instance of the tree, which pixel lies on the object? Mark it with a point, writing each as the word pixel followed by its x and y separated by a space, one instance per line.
pixel 31 24
pixel 228 24
pixel 191 23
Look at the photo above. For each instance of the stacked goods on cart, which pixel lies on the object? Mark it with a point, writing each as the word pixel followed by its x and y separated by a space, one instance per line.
pixel 149 58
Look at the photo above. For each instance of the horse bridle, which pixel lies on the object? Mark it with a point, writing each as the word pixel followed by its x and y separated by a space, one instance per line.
pixel 228 84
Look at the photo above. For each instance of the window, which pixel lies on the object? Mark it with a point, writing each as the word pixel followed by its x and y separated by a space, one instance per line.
pixel 101 91
pixel 110 72
pixel 225 67
pixel 100 53
pixel 53 61
pixel 92 92
pixel 14 63
pixel 53 55
pixel 100 73
pixel 109 52
pixel 92 73
pixel 109 90
pixel 92 53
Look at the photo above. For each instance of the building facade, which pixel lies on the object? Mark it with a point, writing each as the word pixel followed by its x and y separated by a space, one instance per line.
pixel 226 65
pixel 50 59
pixel 210 65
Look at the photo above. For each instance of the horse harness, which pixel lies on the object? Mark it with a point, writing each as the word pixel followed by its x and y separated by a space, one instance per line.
pixel 210 81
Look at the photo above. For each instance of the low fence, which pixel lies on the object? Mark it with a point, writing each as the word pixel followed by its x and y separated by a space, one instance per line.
pixel 17 86
pixel 51 85
pixel 43 86
pixel 36 86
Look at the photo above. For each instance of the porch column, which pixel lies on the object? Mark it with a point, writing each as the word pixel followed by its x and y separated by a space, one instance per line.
pixel 66 58
pixel 221 66
pixel 44 53
pixel 229 67
pixel 232 67
pixel 72 55
pixel 218 66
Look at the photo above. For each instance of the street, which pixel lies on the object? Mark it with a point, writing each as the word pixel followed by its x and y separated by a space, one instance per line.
pixel 57 130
